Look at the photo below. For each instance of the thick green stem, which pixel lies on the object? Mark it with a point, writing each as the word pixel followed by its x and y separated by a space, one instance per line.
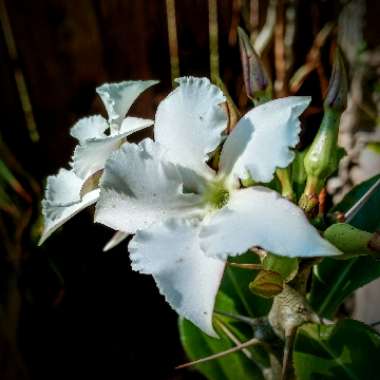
pixel 287 368
pixel 286 184
pixel 299 283
pixel 289 311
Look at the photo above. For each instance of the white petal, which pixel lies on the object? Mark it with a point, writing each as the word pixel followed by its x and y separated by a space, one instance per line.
pixel 116 239
pixel 258 216
pixel 184 275
pixel 118 97
pixel 189 122
pixel 64 188
pixel 89 128
pixel 134 124
pixel 262 139
pixel 62 201
pixel 91 155
pixel 139 188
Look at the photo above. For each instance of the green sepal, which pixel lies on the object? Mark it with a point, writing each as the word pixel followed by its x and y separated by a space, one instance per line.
pixel 267 284
pixel 287 267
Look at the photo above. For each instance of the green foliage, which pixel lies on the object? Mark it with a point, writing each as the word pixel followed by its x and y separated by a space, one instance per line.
pixel 350 240
pixel 334 280
pixel 368 218
pixel 348 350
pixel 236 285
pixel 233 366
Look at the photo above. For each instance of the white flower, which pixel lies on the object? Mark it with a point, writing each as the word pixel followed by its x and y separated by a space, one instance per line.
pixel 187 218
pixel 63 198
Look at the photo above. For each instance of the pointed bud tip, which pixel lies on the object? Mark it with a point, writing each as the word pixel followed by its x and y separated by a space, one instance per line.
pixel 336 97
pixel 256 80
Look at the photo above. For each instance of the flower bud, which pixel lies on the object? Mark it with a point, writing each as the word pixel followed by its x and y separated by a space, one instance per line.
pixel 336 97
pixel 267 284
pixel 256 80
pixel 323 156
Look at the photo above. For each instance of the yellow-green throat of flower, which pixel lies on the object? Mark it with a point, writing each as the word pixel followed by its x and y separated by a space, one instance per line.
pixel 216 195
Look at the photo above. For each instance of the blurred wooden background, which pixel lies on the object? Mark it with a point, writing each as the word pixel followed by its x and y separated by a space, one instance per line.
pixel 69 308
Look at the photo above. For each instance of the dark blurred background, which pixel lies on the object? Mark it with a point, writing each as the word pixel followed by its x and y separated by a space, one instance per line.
pixel 68 309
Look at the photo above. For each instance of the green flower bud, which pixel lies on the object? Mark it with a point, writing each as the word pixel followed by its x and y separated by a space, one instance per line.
pixel 256 80
pixel 267 284
pixel 323 156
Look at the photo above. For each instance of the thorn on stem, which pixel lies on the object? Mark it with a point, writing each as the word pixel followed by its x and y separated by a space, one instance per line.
pixel 239 347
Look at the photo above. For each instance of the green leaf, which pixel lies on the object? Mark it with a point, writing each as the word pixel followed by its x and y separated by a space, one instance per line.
pixel 198 345
pixel 335 280
pixel 235 284
pixel 287 267
pixel 350 240
pixel 348 350
pixel 368 218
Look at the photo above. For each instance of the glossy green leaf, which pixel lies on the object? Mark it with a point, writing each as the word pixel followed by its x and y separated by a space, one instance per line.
pixel 198 345
pixel 350 240
pixel 335 280
pixel 348 350
pixel 368 218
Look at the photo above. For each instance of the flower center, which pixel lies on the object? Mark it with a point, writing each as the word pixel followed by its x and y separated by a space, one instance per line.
pixel 216 195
